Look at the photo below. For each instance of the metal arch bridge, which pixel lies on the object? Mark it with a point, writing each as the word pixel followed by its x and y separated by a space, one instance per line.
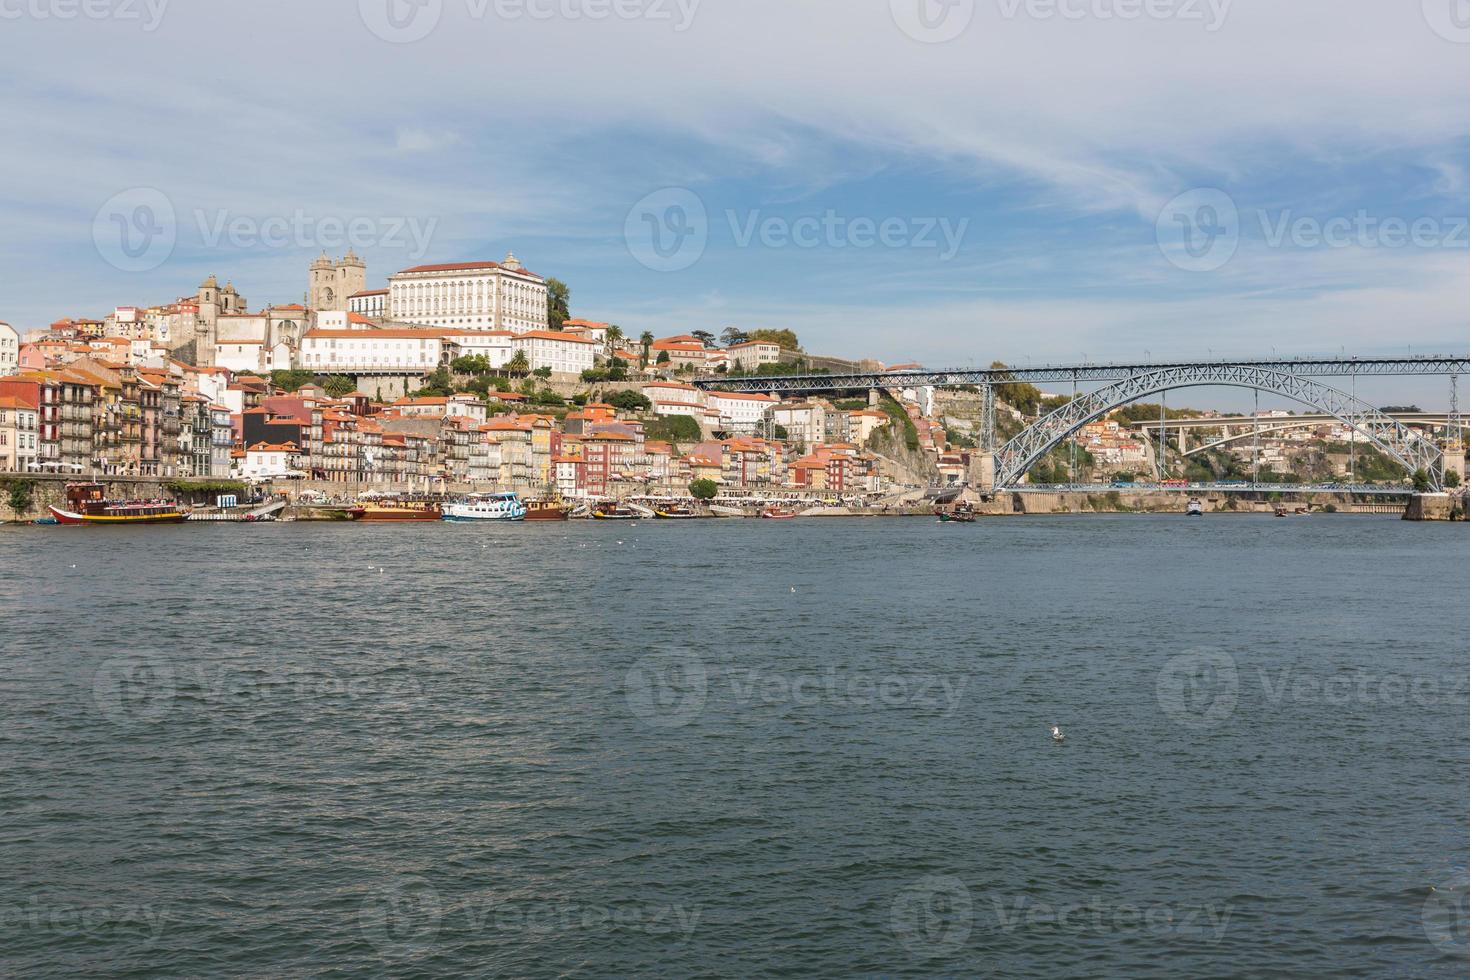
pixel 1291 378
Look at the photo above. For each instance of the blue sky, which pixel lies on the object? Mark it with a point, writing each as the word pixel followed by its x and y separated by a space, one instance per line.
pixel 1048 140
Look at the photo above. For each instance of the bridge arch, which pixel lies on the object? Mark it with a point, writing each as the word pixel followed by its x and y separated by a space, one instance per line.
pixel 1014 459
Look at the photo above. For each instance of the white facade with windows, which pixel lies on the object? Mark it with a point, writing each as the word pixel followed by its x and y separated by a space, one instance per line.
pixel 349 351
pixel 470 295
pixel 9 349
pixel 739 412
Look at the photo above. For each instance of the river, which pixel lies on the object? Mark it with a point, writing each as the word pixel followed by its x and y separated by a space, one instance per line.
pixel 743 748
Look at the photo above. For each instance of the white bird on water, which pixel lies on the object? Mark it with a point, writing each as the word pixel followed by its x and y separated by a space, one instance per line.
pixel 1056 734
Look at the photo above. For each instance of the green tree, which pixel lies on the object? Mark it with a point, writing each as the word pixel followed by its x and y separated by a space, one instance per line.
pixel 629 401
pixel 470 364
pixel 339 385
pixel 733 335
pixel 786 338
pixel 519 364
pixel 291 381
pixel 1451 479
pixel 674 428
pixel 1421 481
pixel 646 342
pixel 704 489
pixel 663 357
pixel 704 337
pixel 437 385
pixel 558 303
pixel 542 372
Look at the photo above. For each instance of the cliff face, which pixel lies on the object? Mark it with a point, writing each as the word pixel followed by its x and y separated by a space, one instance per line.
pixel 900 463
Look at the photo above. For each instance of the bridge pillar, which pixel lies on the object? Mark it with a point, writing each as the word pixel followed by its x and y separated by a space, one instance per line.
pixel 875 397
pixel 982 471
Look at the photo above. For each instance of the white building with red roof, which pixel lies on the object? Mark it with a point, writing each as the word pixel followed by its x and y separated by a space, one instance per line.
pixel 470 296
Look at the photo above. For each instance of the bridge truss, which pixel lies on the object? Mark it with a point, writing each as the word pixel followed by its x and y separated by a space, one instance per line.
pixel 1291 378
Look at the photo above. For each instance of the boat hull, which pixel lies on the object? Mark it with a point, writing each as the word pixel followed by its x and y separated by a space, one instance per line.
pixel 71 517
pixel 548 512
pixel 389 515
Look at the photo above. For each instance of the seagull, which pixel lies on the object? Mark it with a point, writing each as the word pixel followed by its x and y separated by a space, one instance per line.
pixel 1056 734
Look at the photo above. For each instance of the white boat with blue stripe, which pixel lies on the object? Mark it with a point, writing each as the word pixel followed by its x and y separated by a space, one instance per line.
pixel 486 507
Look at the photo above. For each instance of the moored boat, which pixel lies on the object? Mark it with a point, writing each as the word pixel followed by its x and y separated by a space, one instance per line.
pixel 618 512
pixel 776 514
pixel 492 507
pixel 396 511
pixel 87 503
pixel 1194 509
pixel 679 513
pixel 547 510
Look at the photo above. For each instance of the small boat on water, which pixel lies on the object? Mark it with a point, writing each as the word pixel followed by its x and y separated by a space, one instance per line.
pixel 777 514
pixel 87 503
pixel 1195 509
pixel 962 514
pixel 389 511
pixel 720 510
pixel 547 510
pixel 615 512
pixel 491 507
pixel 683 512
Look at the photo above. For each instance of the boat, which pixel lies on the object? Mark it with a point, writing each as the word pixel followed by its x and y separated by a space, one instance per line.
pixel 615 512
pixel 777 514
pixel 492 507
pixel 962 514
pixel 720 510
pixel 547 510
pixel 683 512
pixel 396 511
pixel 1195 509
pixel 87 503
